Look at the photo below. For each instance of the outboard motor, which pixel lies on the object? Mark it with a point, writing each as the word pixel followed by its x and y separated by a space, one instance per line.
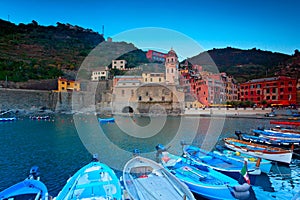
pixel 160 147
pixel 238 134
pixel 136 152
pixel 95 158
pixel 34 173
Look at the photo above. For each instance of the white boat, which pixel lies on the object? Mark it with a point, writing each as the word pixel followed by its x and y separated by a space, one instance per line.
pixel 261 151
pixel 145 179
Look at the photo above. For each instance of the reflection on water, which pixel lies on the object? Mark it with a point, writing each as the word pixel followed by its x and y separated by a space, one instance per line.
pixel 58 147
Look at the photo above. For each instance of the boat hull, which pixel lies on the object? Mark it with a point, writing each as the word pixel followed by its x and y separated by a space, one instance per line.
pixel 202 180
pixel 262 151
pixel 7 119
pixel 28 188
pixel 95 180
pixel 145 179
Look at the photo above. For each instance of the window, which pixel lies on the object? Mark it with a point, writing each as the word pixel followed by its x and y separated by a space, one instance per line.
pixel 281 89
pixel 159 79
pixel 147 93
pixel 151 79
pixel 140 98
pixel 162 98
pixel 281 97
pixel 274 90
pixel 267 90
pixel 258 99
pixel 123 92
pixel 132 92
pixel 273 97
pixel 145 79
pixel 258 86
pixel 258 92
pixel 289 89
pixel 268 98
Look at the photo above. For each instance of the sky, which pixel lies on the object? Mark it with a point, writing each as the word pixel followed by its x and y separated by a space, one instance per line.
pixel 271 25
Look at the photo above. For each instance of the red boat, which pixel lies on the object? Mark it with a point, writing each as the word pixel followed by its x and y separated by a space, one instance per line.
pixel 285 123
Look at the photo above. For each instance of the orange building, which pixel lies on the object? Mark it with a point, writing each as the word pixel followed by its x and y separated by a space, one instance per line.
pixel 280 91
pixel 65 85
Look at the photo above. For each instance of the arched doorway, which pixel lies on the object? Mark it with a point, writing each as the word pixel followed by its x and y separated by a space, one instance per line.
pixel 127 109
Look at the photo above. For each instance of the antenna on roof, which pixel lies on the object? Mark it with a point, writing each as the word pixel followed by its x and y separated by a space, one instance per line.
pixel 102 30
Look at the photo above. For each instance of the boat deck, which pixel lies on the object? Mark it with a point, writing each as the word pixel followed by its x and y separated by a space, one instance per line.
pixel 155 187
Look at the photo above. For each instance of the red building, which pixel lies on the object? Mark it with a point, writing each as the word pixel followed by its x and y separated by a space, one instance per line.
pixel 156 56
pixel 280 91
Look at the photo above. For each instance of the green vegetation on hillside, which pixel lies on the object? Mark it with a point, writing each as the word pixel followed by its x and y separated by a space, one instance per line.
pixel 244 65
pixel 31 51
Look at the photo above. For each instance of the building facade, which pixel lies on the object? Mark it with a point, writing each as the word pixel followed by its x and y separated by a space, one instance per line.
pixel 65 85
pixel 153 77
pixel 171 66
pixel 118 64
pixel 280 91
pixel 100 75
pixel 157 56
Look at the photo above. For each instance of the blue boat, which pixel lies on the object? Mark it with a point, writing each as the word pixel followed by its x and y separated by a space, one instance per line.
pixel 219 162
pixel 106 120
pixel 201 179
pixel 30 188
pixel 277 135
pixel 273 141
pixel 7 119
pixel 93 181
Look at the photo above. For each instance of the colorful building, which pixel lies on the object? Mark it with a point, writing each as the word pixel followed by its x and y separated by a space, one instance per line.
pixel 65 85
pixel 274 91
pixel 153 56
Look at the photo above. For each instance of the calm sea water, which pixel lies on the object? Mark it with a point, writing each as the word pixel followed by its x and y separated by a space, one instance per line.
pixel 65 143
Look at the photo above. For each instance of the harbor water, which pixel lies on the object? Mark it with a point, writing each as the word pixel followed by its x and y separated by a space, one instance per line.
pixel 64 143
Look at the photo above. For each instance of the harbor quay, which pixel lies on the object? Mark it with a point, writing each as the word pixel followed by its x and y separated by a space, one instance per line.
pixel 227 111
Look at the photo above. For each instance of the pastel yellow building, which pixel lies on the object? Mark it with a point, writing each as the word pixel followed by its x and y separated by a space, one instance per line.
pixel 65 85
pixel 153 77
pixel 194 104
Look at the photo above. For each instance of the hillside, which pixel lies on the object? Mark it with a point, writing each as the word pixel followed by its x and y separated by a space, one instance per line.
pixel 32 51
pixel 243 64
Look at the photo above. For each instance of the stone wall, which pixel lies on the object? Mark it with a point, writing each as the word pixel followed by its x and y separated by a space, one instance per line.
pixel 27 99
pixel 24 99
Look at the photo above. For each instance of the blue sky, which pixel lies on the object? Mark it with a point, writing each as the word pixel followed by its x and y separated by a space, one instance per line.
pixel 265 24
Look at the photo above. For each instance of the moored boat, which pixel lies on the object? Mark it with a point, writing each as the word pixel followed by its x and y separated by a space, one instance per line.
pixel 93 181
pixel 273 141
pixel 39 117
pixel 285 123
pixel 258 150
pixel 30 188
pixel 264 165
pixel 219 162
pixel 106 120
pixel 277 135
pixel 145 179
pixel 7 119
pixel 201 179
